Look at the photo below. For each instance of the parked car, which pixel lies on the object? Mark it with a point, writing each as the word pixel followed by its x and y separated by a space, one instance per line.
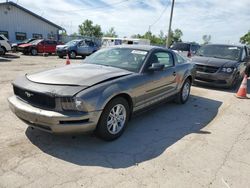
pixel 77 48
pixel 220 65
pixel 102 93
pixel 14 46
pixel 5 44
pixel 187 49
pixel 38 46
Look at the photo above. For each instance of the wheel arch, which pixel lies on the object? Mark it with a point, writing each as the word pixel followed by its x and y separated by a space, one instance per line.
pixel 190 78
pixel 127 97
pixel 5 50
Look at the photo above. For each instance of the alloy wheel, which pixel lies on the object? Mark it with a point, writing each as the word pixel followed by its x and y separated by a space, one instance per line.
pixel 116 119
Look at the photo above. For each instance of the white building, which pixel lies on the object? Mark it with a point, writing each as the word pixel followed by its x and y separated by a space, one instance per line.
pixel 18 23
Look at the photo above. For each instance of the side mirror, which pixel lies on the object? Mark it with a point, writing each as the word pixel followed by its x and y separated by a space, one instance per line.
pixel 156 67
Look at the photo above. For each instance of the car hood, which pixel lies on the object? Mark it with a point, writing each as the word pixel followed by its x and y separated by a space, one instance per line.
pixel 61 46
pixel 78 75
pixel 25 45
pixel 211 61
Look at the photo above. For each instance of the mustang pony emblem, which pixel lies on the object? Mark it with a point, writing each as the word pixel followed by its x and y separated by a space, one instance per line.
pixel 28 94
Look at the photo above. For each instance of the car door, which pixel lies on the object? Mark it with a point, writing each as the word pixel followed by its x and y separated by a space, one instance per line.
pixel 159 84
pixel 82 48
pixel 41 46
pixel 53 47
pixel 50 46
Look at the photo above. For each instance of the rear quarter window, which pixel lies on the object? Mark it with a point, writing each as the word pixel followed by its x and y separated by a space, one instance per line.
pixel 180 59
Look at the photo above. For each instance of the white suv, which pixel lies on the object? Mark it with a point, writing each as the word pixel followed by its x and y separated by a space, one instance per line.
pixel 5 44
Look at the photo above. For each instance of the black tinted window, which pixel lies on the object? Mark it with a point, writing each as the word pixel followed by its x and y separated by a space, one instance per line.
pixel 181 47
pixel 50 42
pixel 89 43
pixel 194 48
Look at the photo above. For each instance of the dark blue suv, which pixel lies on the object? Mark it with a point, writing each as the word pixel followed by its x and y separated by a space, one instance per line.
pixel 79 47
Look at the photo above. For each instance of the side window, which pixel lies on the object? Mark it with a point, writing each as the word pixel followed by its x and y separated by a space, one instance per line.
pixel 44 42
pixel 165 58
pixel 180 59
pixel 83 44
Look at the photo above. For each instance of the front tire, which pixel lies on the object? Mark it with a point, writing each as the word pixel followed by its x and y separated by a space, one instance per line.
pixel 4 50
pixel 72 55
pixel 33 51
pixel 113 120
pixel 183 95
pixel 235 82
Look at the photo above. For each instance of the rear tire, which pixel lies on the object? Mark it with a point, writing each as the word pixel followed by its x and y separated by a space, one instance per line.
pixel 113 120
pixel 60 56
pixel 183 95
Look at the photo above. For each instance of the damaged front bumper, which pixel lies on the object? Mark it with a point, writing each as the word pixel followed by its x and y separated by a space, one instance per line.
pixel 52 121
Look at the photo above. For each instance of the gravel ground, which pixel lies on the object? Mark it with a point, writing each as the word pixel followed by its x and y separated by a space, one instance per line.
pixel 204 143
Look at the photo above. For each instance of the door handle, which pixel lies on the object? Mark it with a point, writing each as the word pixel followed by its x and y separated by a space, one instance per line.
pixel 174 73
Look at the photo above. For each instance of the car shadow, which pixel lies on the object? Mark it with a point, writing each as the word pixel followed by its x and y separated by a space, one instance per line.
pixel 11 56
pixel 147 136
pixel 2 59
pixel 228 90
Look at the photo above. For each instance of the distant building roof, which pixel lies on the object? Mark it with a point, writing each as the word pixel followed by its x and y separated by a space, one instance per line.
pixel 33 14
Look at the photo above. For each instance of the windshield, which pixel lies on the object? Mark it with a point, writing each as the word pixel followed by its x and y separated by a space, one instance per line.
pixel 26 41
pixel 220 51
pixel 124 58
pixel 35 42
pixel 72 43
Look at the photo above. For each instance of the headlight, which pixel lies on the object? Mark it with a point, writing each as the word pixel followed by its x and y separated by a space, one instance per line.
pixel 79 104
pixel 73 104
pixel 227 69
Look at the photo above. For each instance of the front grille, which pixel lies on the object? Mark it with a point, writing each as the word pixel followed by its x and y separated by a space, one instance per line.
pixel 35 98
pixel 207 69
pixel 20 49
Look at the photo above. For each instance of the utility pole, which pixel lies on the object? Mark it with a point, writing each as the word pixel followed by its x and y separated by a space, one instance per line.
pixel 170 24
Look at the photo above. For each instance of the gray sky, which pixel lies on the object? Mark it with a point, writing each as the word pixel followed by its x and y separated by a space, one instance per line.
pixel 225 20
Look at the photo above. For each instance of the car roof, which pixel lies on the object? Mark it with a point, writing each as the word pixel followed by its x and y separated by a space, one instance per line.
pixel 233 45
pixel 139 47
pixel 194 43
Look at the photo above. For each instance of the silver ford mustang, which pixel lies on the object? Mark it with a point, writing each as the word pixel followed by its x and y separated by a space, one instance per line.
pixel 103 92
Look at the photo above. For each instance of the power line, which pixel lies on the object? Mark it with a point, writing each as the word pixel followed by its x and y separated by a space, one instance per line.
pixel 164 10
pixel 101 7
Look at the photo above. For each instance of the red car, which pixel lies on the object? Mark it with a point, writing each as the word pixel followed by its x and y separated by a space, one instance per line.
pixel 38 46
